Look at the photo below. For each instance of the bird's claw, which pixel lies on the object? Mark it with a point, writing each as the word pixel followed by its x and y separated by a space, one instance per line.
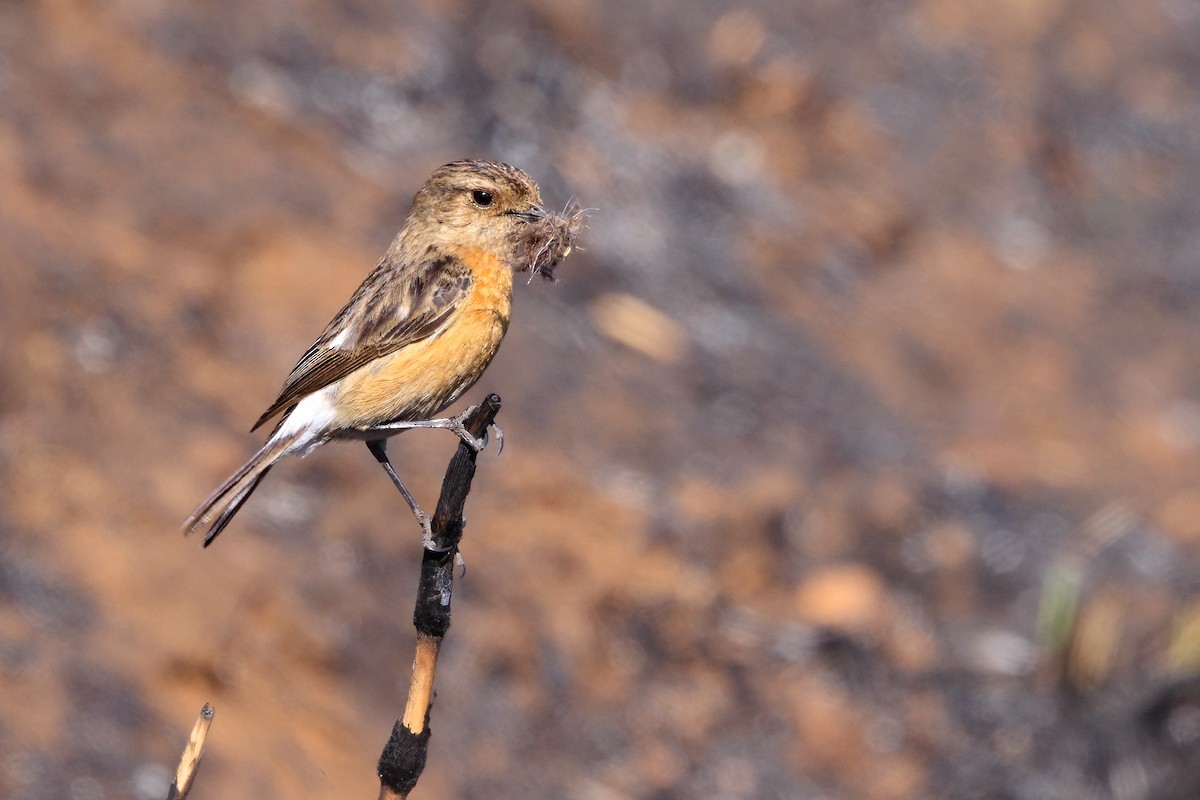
pixel 499 437
pixel 427 534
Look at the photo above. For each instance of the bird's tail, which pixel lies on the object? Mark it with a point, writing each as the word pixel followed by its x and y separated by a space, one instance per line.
pixel 216 512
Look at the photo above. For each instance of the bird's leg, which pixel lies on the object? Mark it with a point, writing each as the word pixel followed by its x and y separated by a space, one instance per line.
pixel 453 424
pixel 378 448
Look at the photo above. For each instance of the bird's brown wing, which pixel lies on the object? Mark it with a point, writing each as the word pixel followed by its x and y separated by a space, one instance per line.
pixel 391 309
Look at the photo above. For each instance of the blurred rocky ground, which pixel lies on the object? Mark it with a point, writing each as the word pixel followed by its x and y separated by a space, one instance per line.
pixel 854 457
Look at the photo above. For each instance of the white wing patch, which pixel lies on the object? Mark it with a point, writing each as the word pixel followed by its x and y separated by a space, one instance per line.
pixel 338 342
pixel 313 418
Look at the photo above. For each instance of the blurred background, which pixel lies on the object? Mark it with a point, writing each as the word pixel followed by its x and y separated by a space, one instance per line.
pixel 853 457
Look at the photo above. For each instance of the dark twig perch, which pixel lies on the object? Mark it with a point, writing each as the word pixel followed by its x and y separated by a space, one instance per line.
pixel 403 756
pixel 192 752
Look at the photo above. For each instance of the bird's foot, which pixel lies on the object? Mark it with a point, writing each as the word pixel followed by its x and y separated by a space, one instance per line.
pixel 427 533
pixel 457 425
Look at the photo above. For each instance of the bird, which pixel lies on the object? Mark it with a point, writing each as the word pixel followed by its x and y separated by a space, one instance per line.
pixel 416 334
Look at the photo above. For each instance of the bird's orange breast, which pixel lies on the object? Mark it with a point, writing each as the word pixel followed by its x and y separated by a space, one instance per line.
pixel 420 379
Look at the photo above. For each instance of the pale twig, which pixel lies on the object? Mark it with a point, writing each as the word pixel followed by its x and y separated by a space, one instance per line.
pixel 193 751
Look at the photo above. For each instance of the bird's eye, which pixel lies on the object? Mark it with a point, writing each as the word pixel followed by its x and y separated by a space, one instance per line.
pixel 482 198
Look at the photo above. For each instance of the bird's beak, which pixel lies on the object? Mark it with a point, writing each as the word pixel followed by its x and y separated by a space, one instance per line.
pixel 533 214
